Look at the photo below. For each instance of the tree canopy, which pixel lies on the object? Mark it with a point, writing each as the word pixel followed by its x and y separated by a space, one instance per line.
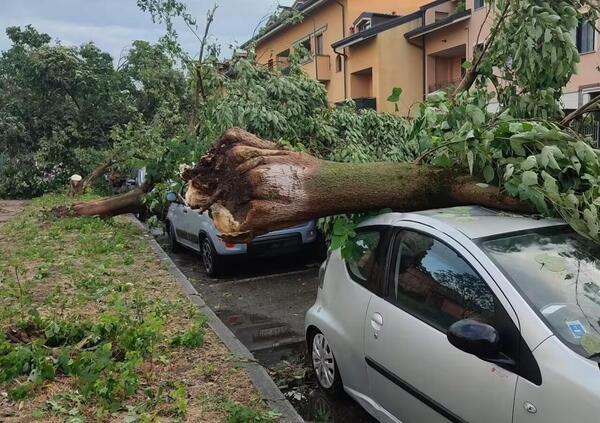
pixel 63 109
pixel 162 108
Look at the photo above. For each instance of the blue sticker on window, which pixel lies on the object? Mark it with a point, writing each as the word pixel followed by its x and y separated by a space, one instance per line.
pixel 576 328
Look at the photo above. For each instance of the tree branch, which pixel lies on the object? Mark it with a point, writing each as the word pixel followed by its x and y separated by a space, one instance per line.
pixel 469 79
pixel 587 107
pixel 199 87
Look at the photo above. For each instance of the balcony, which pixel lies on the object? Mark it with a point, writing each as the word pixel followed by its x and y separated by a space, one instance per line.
pixel 366 103
pixel 318 67
pixel 447 86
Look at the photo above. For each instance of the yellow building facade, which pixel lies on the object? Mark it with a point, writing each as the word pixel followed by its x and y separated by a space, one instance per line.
pixel 361 50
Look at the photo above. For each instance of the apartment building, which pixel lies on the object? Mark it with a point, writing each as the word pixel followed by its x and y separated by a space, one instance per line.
pixel 453 30
pixel 362 50
pixel 368 70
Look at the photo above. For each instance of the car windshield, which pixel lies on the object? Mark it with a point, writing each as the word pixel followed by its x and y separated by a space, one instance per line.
pixel 558 271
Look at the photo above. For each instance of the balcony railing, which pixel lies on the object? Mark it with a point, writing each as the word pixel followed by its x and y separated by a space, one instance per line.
pixel 361 103
pixel 591 130
pixel 366 103
pixel 444 85
pixel 318 67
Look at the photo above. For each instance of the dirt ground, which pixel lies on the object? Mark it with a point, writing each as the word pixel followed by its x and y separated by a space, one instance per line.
pixel 10 208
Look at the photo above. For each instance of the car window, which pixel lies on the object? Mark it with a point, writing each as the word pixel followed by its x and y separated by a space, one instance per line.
pixel 435 284
pixel 361 255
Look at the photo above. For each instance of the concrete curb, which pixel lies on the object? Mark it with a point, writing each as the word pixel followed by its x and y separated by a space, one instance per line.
pixel 259 376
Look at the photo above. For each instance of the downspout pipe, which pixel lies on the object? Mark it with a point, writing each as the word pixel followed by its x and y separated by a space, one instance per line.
pixel 423 56
pixel 343 54
pixel 424 65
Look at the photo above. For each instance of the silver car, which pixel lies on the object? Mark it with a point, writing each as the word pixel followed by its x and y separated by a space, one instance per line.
pixel 462 315
pixel 196 231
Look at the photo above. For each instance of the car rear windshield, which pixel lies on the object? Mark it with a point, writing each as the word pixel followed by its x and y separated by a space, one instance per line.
pixel 558 272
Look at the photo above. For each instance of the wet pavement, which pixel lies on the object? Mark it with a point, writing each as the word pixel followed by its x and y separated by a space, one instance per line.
pixel 263 302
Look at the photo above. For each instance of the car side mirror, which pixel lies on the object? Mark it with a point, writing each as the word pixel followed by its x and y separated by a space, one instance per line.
pixel 172 197
pixel 477 338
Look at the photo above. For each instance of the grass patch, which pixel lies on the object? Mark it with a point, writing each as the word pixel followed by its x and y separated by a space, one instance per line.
pixel 93 328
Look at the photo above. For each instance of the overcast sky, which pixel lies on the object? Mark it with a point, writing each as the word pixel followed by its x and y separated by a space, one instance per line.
pixel 114 24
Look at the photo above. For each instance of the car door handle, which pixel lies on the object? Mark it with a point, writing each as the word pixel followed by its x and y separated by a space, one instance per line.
pixel 377 323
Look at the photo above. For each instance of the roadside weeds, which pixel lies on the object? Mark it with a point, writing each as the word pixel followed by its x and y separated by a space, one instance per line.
pixel 93 327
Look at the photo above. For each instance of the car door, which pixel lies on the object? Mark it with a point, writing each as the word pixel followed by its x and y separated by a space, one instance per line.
pixel 414 372
pixel 185 223
pixel 349 285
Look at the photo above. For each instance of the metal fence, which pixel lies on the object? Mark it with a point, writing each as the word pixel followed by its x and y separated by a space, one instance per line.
pixel 591 130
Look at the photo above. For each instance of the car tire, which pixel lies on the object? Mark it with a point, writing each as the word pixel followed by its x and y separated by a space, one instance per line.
pixel 324 365
pixel 174 246
pixel 212 261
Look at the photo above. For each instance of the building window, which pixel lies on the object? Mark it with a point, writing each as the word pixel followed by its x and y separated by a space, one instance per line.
pixel 439 16
pixel 478 4
pixel 319 44
pixel 585 37
pixel 338 63
pixel 306 44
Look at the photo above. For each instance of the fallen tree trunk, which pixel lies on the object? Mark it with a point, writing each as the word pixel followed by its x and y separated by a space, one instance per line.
pixel 130 202
pixel 252 187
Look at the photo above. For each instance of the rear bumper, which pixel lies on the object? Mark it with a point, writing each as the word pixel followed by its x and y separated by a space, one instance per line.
pixel 274 243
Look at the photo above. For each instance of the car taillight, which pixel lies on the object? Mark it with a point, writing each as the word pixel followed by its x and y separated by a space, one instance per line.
pixel 229 245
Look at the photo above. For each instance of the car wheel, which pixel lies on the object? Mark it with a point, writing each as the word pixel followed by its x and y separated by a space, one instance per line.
pixel 324 364
pixel 213 262
pixel 174 246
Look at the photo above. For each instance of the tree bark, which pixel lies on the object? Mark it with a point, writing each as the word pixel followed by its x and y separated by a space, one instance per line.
pixel 252 187
pixel 78 188
pixel 130 202
pixel 587 107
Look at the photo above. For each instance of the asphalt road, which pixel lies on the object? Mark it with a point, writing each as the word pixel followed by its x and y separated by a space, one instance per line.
pixel 262 301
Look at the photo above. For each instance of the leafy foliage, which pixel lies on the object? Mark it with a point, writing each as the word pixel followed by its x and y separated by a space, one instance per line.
pixel 242 414
pixel 64 110
pixel 534 56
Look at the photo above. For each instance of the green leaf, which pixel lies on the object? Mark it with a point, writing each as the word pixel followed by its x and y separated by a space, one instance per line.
pixel 488 173
pixel 508 172
pixel 547 157
pixel 529 178
pixel 395 95
pixel 470 161
pixel 442 161
pixel 550 184
pixel 517 146
pixel 476 114
pixel 515 127
pixel 529 163
pixel 551 263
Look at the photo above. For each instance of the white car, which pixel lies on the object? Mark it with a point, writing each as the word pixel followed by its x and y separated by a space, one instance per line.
pixel 462 315
pixel 196 231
